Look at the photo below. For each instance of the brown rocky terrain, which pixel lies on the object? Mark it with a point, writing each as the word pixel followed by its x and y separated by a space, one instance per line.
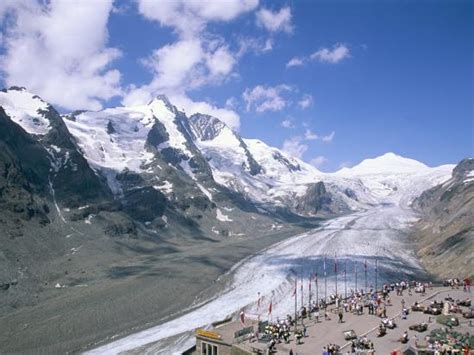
pixel 445 233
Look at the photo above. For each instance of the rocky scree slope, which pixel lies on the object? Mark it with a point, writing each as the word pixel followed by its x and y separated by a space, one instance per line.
pixel 445 233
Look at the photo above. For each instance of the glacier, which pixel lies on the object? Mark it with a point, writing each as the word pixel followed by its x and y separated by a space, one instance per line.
pixel 377 234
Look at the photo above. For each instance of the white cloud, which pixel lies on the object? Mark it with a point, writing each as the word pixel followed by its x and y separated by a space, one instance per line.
pixel 295 62
pixel 345 164
pixel 329 137
pixel 318 161
pixel 47 51
pixel 334 55
pixel 310 135
pixel 174 64
pixel 288 123
pixel 220 62
pixel 306 101
pixel 189 17
pixel 184 103
pixel 253 44
pixel 295 146
pixel 196 59
pixel 182 66
pixel 231 102
pixel 275 21
pixel 266 98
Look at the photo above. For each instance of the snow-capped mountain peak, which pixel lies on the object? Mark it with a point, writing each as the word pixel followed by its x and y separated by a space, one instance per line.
pixel 26 109
pixel 151 140
pixel 388 163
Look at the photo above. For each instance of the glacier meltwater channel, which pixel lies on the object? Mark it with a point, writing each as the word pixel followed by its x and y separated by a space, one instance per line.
pixel 355 238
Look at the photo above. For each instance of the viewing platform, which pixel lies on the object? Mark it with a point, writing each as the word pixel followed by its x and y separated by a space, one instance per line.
pixel 237 338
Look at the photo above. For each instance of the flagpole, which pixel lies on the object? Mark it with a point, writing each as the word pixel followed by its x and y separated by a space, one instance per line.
pixel 258 307
pixel 355 268
pixel 296 300
pixel 335 270
pixel 365 271
pixel 317 291
pixel 270 309
pixel 376 274
pixel 310 295
pixel 345 279
pixel 325 285
pixel 302 298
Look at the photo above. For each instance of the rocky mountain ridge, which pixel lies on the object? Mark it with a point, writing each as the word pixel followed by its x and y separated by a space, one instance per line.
pixel 445 232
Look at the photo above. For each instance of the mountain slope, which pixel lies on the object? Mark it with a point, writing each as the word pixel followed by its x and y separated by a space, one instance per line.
pixel 445 233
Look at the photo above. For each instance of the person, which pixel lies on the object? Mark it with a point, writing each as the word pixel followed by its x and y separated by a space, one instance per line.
pixel 298 336
pixel 304 330
pixel 272 344
pixel 291 352
pixel 404 338
pixel 341 315
pixel 404 313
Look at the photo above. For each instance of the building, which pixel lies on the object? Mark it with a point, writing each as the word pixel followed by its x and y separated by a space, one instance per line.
pixel 230 338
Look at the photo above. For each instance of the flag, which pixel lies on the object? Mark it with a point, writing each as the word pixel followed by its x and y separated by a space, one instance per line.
pixel 335 263
pixel 270 307
pixel 324 266
pixel 294 291
pixel 258 301
pixel 242 318
pixel 309 283
pixel 365 264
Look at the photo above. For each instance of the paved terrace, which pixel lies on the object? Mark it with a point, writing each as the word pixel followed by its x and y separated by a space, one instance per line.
pixel 324 332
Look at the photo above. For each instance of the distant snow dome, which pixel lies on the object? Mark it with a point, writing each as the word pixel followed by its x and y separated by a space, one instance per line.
pixel 389 163
pixel 24 109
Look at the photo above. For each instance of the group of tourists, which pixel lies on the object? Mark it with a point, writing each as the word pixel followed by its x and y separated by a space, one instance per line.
pixel 331 349
pixel 362 345
pixel 376 303
pixel 281 331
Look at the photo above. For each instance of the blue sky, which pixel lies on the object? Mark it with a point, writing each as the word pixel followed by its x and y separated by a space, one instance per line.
pixel 368 76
